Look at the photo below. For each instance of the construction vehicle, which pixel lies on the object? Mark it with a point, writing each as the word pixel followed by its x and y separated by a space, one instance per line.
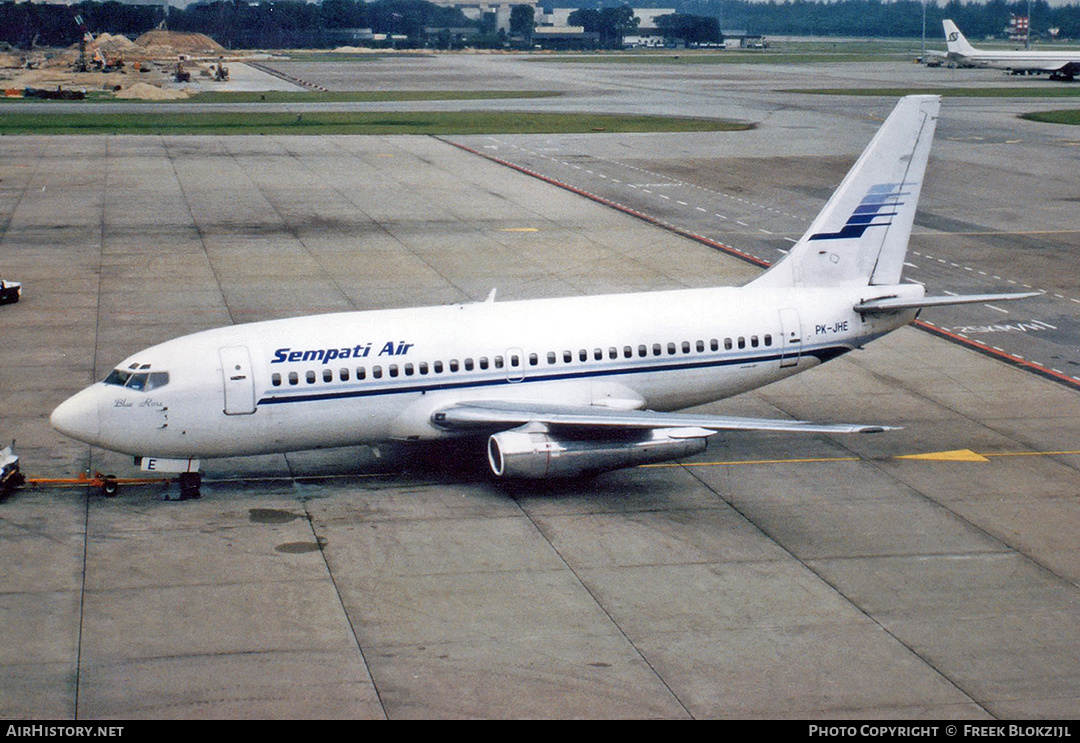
pixel 97 59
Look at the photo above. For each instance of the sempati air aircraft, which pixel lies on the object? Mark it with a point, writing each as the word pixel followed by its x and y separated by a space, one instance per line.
pixel 552 387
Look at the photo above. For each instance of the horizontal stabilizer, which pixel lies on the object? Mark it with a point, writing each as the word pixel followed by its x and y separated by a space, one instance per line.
pixel 481 415
pixel 892 304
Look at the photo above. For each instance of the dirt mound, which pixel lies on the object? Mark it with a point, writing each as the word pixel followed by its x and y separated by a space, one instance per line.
pixel 146 92
pixel 180 42
pixel 117 43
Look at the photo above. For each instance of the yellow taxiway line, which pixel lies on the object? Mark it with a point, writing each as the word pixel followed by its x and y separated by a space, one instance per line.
pixel 955 455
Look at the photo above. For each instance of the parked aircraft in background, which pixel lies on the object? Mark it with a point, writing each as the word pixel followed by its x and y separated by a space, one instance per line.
pixel 1060 65
pixel 551 387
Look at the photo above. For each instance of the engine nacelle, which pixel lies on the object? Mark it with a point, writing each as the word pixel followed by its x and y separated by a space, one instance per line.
pixel 533 453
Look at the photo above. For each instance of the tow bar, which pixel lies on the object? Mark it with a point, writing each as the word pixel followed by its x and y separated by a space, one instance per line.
pixel 11 478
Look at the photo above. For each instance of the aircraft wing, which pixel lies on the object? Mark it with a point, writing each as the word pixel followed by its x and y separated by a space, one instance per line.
pixel 495 415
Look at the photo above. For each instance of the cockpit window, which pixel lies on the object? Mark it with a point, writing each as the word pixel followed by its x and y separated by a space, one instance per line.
pixel 142 381
pixel 119 378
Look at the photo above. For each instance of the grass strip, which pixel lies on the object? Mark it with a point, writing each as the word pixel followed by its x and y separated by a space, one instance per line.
pixel 331 122
pixel 675 58
pixel 315 96
pixel 1054 117
pixel 363 96
pixel 1058 91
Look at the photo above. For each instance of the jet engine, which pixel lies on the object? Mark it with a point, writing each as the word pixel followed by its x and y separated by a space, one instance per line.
pixel 533 452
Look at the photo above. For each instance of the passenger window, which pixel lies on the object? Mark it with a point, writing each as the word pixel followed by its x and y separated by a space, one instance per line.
pixel 613 353
pixel 275 379
pixel 515 362
pixel 598 354
pixel 344 374
pixel 657 349
pixel 714 344
pixel 499 362
pixel 670 348
pixel 468 364
pixel 533 360
pixel 294 378
pixel 754 341
pixel 453 365
pixel 742 342
pixel 567 357
pixel 310 377
pixel 551 357
pixel 483 362
pixel 642 351
pixel 328 375
pixel 627 352
pixel 361 372
pixel 423 367
pixel 700 346
pixel 393 369
pixel 727 344
pixel 409 370
pixel 437 367
pixel 376 371
pixel 583 355
pixel 686 346
pixel 768 339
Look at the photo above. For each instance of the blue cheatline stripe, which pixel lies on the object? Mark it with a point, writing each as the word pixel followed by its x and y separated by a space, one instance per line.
pixel 823 354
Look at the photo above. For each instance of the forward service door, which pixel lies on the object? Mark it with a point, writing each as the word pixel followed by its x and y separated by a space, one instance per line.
pixel 239 384
pixel 791 335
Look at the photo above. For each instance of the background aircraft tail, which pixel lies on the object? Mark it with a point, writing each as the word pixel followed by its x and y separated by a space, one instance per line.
pixel 861 236
pixel 955 41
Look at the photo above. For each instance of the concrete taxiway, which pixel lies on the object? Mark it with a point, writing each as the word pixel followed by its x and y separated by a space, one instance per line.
pixel 772 576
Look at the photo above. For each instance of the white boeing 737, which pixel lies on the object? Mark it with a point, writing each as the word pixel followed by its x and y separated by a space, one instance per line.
pixel 1062 65
pixel 552 387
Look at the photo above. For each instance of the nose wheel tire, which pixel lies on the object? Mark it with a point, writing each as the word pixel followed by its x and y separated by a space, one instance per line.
pixel 190 482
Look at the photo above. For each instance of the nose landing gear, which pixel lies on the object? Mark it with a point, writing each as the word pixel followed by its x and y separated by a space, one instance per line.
pixel 190 482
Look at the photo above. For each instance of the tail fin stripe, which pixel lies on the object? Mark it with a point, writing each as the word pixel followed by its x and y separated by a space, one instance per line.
pixel 882 196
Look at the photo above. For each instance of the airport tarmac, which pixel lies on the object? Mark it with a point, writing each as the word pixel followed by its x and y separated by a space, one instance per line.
pixel 773 576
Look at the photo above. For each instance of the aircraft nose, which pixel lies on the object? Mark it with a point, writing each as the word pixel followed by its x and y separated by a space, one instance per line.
pixel 77 417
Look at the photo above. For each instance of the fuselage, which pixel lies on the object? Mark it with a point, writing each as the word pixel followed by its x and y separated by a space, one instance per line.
pixel 1023 60
pixel 1064 64
pixel 364 377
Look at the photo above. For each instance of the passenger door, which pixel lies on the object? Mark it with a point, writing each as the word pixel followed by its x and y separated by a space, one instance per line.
pixel 239 384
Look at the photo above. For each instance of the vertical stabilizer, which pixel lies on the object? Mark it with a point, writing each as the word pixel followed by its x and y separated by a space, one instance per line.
pixel 954 40
pixel 861 235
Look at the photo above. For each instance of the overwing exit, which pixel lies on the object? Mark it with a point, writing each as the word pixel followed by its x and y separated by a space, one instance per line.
pixel 552 387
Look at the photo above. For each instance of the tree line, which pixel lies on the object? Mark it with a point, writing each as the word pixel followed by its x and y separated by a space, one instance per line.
pixel 239 24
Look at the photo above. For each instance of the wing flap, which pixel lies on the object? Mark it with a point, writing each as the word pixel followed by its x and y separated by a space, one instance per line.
pixel 494 415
